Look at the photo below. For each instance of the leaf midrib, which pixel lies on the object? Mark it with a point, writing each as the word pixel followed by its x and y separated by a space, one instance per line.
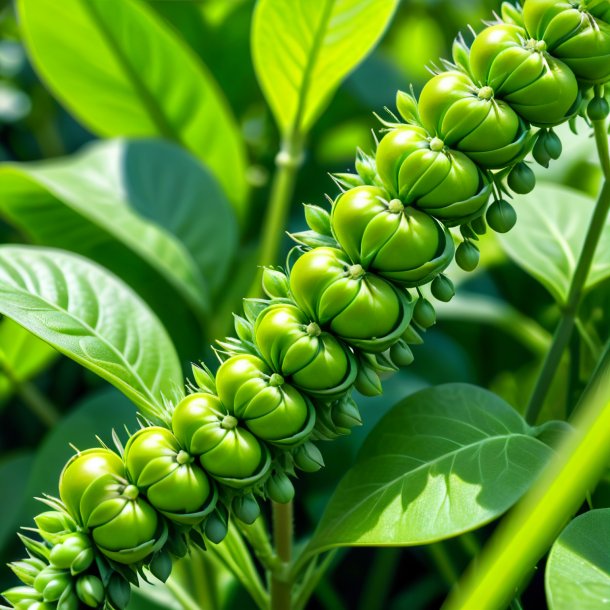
pixel 146 392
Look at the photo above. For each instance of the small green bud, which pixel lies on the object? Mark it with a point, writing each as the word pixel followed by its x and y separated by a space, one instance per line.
pixel 308 457
pixel 279 488
pixel 204 378
pixel 411 336
pixel 501 216
pixel 90 590
pixel 406 105
pixel 246 508
pixel 366 168
pixel 28 569
pixel 64 554
pixel 318 219
pixel 521 179
pixel 423 313
pixel 275 283
pixel 161 565
pixel 598 109
pixel 20 594
pixel 68 600
pixel 216 528
pixel 442 288
pixel 401 354
pixel 467 256
pixel 243 328
pixel 53 523
pixel 345 413
pixel 478 225
pixel 367 381
pixel 119 591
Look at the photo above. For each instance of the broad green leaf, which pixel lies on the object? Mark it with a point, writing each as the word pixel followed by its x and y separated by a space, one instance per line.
pixel 443 461
pixel 550 232
pixel 578 568
pixel 14 473
pixel 22 356
pixel 94 416
pixel 130 206
pixel 89 315
pixel 302 50
pixel 123 72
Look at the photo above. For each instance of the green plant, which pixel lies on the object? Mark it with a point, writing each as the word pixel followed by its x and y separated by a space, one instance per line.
pixel 353 300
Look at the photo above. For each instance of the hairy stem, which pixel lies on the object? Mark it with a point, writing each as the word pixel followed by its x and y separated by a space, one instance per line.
pixel 530 529
pixel 287 162
pixel 563 333
pixel 281 581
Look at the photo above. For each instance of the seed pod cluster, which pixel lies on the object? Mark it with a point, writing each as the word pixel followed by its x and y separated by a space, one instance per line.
pixel 345 313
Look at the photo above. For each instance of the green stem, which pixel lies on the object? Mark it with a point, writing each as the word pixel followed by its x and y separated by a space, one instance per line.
pixel 379 579
pixel 312 577
pixel 35 400
pixel 181 595
pixel 530 529
pixel 444 563
pixel 564 330
pixel 281 581
pixel 256 534
pixel 287 162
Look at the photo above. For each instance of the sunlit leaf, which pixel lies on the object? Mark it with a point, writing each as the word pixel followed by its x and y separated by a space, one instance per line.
pixel 302 51
pixel 578 567
pixel 444 461
pixel 550 232
pixel 92 317
pixel 123 72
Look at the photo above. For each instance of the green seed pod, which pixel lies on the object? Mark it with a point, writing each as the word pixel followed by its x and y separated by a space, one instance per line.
pixel 501 216
pixel 573 35
pixel 367 381
pixel 442 288
pixel 547 147
pixel 173 484
pixel 467 256
pixel 226 449
pixel 90 590
pixel 28 569
pixel 275 283
pixel 423 313
pixel 345 413
pixel 118 591
pixel 298 349
pixel 521 179
pixel 269 407
pixel 68 600
pixel 53 525
pixel 74 553
pixel 81 471
pixel 161 565
pixel 421 170
pixel 359 307
pixel 216 527
pixel 401 354
pixel 471 119
pixel 123 525
pixel 246 508
pixel 17 595
pixel 540 88
pixel 598 109
pixel 51 583
pixel 308 457
pixel 401 244
pixel 280 488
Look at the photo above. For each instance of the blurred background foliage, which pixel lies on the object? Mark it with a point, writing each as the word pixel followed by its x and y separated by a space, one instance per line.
pixel 493 334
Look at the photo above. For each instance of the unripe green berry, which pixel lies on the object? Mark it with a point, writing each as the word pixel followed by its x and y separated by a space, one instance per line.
pixel 442 288
pixel 280 488
pixel 90 590
pixel 467 256
pixel 308 458
pixel 501 216
pixel 423 313
pixel 521 179
pixel 246 508
pixel 598 109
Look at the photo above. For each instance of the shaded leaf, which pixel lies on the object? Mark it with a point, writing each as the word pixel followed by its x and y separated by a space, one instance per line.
pixel 123 72
pixel 92 317
pixel 14 472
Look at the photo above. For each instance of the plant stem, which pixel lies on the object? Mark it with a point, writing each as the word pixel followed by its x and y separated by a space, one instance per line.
pixel 287 162
pixel 181 595
pixel 530 529
pixel 35 400
pixel 381 574
pixel 281 582
pixel 563 333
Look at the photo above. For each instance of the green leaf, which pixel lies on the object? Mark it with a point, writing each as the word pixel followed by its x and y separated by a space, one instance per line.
pixel 130 205
pixel 578 567
pixel 94 416
pixel 14 473
pixel 302 50
pixel 123 72
pixel 92 317
pixel 22 356
pixel 443 461
pixel 551 228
